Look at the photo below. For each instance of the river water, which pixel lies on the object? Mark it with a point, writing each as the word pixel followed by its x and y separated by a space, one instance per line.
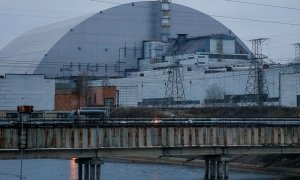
pixel 67 170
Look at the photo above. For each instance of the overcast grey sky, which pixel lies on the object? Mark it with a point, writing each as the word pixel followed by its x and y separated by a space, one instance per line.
pixel 18 17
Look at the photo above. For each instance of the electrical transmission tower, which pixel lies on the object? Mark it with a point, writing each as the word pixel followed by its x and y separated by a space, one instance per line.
pixel 257 91
pixel 297 52
pixel 174 93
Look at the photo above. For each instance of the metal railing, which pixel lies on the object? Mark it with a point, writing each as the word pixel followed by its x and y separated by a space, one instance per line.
pixel 82 122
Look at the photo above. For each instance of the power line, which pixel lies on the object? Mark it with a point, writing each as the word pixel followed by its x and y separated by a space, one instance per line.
pixel 257 87
pixel 107 2
pixel 97 19
pixel 155 78
pixel 266 5
pixel 256 20
pixel 23 15
pixel 28 53
pixel 42 11
pixel 200 13
pixel 96 34
pixel 139 6
pixel 174 92
pixel 159 79
pixel 112 19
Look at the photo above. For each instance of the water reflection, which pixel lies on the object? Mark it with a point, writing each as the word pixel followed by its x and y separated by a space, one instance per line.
pixel 67 170
pixel 155 176
pixel 73 169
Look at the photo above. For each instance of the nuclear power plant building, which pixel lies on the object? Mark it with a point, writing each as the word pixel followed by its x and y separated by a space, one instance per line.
pixel 156 54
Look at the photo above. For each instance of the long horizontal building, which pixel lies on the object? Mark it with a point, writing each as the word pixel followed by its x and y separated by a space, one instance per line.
pixel 227 88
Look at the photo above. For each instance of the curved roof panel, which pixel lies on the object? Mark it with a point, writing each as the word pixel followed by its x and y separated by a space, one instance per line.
pixel 24 54
pixel 104 44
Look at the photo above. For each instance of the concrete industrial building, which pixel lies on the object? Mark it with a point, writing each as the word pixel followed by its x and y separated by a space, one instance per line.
pixel 202 89
pixel 26 89
pixel 133 46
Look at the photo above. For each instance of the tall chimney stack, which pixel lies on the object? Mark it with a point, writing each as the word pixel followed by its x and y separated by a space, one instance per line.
pixel 165 20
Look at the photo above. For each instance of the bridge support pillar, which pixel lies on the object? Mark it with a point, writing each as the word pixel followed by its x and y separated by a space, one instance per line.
pixel 216 167
pixel 92 169
pixel 213 169
pixel 80 171
pixel 86 171
pixel 226 170
pixel 220 169
pixel 98 171
pixel 207 169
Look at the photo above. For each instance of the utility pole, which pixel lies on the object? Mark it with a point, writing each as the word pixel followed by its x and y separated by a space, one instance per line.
pixel 174 93
pixel 257 91
pixel 297 52
pixel 24 116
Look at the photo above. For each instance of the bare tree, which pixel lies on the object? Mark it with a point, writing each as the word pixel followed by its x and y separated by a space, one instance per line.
pixel 83 89
pixel 214 94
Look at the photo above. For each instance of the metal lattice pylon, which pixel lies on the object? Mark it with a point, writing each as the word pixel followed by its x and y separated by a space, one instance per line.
pixel 257 91
pixel 174 93
pixel 297 52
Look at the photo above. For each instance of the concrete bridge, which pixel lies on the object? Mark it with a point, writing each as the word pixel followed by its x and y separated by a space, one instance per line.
pixel 88 141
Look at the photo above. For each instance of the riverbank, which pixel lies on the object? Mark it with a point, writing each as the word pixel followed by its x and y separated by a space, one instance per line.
pixel 276 171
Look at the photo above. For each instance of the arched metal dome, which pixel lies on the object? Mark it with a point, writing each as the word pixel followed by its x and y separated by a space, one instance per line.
pixel 103 44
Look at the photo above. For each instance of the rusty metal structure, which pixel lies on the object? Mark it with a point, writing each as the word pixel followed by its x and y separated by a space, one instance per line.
pixel 211 139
